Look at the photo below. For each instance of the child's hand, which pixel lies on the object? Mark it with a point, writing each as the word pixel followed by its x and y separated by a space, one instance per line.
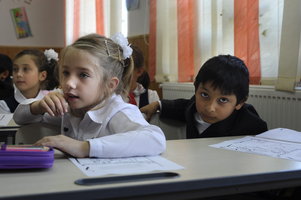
pixel 78 149
pixel 150 109
pixel 53 103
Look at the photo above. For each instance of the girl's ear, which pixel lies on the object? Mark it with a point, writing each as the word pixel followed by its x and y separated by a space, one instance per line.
pixel 4 75
pixel 42 75
pixel 113 83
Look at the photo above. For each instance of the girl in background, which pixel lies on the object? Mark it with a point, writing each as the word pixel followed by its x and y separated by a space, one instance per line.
pixel 140 94
pixel 33 75
pixel 95 74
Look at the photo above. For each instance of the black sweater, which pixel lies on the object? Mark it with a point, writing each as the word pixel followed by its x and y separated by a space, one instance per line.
pixel 244 121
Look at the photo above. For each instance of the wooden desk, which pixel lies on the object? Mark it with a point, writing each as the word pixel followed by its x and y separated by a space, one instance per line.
pixel 208 172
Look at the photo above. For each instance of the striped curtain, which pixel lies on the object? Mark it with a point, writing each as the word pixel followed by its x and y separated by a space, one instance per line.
pixel 246 36
pixel 83 17
pixel 185 33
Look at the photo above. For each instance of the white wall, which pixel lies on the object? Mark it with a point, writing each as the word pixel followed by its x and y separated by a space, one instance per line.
pixel 138 19
pixel 46 20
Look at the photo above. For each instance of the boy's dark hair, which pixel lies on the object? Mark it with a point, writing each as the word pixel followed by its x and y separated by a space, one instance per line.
pixel 227 73
pixel 51 67
pixel 6 64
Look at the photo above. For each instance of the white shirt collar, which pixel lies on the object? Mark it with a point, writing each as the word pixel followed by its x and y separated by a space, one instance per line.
pixel 201 124
pixel 113 104
pixel 20 98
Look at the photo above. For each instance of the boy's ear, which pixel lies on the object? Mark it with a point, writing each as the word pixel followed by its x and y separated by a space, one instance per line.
pixel 238 106
pixel 113 83
pixel 42 76
pixel 242 102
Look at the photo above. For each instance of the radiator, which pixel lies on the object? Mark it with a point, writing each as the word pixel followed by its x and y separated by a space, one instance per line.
pixel 277 108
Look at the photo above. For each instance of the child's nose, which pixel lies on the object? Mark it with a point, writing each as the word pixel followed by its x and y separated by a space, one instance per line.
pixel 18 73
pixel 211 106
pixel 71 83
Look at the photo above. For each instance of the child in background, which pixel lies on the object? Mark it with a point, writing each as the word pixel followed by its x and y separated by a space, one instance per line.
pixel 139 94
pixel 33 75
pixel 95 74
pixel 218 107
pixel 6 85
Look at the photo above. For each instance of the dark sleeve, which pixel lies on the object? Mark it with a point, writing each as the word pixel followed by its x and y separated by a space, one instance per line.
pixel 174 109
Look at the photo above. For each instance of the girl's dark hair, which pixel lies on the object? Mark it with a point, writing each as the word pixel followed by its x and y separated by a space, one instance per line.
pixel 137 57
pixel 51 67
pixel 227 73
pixel 6 64
pixel 144 80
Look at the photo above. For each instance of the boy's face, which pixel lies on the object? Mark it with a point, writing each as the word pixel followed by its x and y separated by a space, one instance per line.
pixel 212 105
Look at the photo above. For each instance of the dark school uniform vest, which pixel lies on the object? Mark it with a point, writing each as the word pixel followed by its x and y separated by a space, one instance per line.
pixel 143 101
pixel 11 103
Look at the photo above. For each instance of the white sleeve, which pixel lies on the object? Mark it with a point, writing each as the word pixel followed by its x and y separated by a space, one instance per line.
pixel 153 96
pixel 133 137
pixel 23 115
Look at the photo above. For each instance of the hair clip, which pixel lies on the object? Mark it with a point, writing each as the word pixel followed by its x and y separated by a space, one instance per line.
pixel 108 51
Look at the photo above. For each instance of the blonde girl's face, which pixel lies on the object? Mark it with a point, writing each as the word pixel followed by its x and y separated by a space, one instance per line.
pixel 81 80
pixel 26 76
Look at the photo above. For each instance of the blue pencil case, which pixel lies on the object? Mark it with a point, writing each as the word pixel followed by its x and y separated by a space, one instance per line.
pixel 25 157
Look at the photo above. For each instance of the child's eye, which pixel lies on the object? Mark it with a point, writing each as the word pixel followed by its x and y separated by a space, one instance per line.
pixel 65 73
pixel 83 75
pixel 223 100
pixel 25 69
pixel 204 94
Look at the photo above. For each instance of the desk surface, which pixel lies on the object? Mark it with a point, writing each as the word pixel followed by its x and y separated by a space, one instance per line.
pixel 11 125
pixel 208 172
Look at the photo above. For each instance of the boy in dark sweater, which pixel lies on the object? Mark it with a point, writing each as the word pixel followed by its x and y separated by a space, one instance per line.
pixel 218 107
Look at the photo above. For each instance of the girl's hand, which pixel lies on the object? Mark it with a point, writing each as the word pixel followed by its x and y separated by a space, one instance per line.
pixel 53 103
pixel 78 149
pixel 150 109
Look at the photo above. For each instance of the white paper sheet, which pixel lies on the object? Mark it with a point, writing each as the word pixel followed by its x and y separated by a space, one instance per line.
pixel 284 134
pixel 5 119
pixel 133 165
pixel 263 146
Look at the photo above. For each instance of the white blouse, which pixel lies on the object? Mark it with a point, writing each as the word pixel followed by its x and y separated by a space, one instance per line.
pixel 117 129
pixel 19 98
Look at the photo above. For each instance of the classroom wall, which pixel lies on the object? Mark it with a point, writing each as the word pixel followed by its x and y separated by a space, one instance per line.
pixel 46 20
pixel 138 19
